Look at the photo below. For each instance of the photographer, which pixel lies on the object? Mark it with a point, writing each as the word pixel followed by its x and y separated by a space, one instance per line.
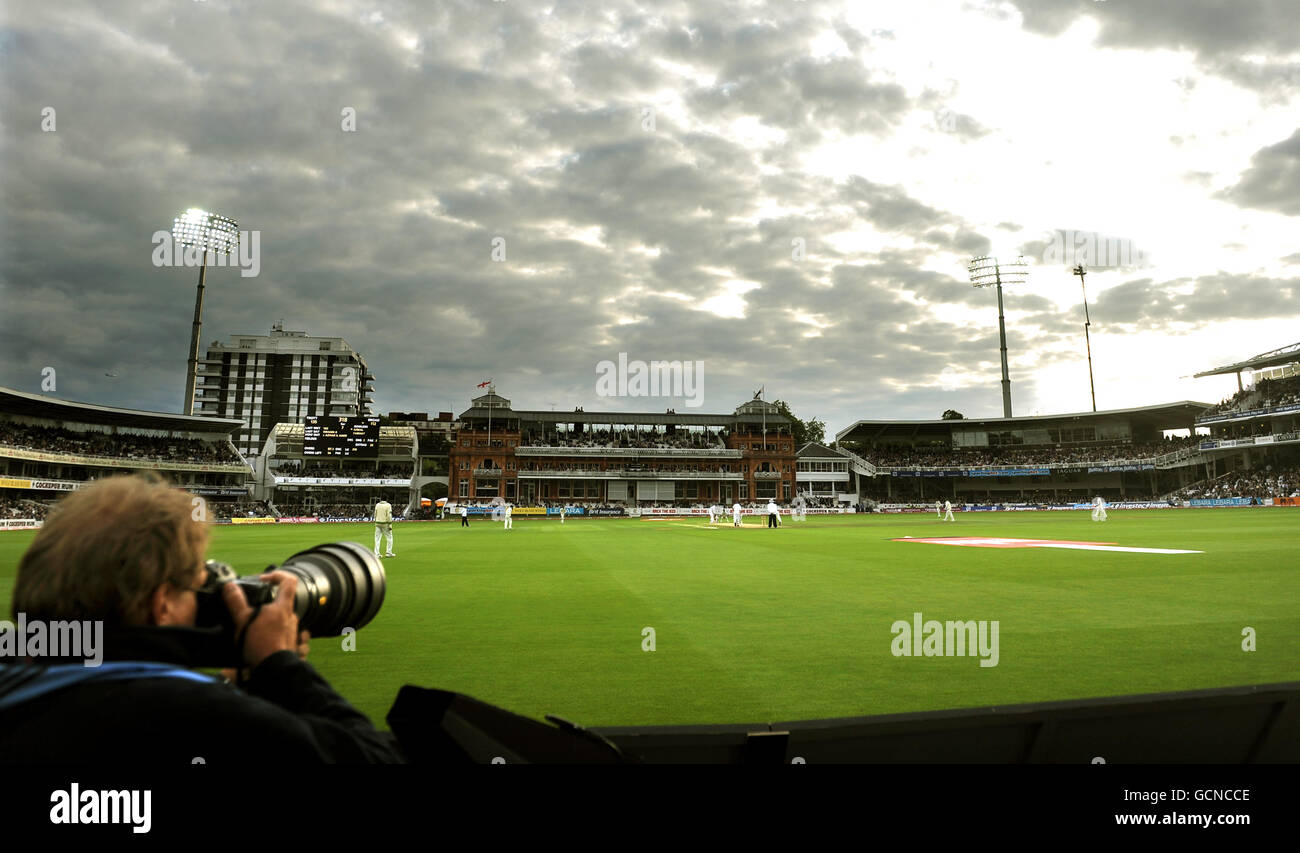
pixel 127 552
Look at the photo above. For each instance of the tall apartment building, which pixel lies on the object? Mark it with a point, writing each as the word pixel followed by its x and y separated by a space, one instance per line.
pixel 282 377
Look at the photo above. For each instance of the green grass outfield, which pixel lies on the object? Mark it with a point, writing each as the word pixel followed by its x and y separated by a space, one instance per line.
pixel 755 625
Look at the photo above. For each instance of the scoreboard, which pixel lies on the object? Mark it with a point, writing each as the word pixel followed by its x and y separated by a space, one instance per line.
pixel 341 436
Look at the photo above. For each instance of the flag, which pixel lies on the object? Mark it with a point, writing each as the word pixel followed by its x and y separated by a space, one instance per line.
pixel 485 384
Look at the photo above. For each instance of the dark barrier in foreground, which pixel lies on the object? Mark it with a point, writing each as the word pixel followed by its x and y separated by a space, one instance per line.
pixel 1235 725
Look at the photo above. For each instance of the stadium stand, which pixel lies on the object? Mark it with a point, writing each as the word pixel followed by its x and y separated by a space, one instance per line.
pixel 50 447
pixel 52 439
pixel 1269 483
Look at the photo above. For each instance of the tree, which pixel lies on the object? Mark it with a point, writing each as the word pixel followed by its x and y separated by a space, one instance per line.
pixel 953 415
pixel 803 431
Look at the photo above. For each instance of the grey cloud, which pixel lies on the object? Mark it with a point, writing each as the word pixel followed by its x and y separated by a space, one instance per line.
pixel 1217 30
pixel 1273 180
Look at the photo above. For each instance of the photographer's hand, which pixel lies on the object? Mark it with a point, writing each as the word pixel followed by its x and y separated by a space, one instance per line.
pixel 276 627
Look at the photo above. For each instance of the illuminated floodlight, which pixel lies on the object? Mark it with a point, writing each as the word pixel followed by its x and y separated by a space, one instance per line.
pixel 207 231
pixel 988 271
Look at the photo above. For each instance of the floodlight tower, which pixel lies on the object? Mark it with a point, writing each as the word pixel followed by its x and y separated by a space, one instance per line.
pixel 211 233
pixel 987 271
pixel 1087 321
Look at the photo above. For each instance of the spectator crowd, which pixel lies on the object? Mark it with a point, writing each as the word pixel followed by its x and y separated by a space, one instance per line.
pixel 23 508
pixel 117 445
pixel 314 468
pixel 1265 394
pixel 651 439
pixel 331 510
pixel 1268 482
pixel 954 457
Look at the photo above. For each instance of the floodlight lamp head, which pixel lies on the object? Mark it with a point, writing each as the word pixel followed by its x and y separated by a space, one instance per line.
pixel 207 231
pixel 987 271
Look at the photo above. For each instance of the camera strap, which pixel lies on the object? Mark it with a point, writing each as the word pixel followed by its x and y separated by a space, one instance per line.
pixel 21 683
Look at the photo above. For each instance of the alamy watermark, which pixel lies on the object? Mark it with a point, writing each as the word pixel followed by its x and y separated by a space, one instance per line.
pixel 638 378
pixel 248 257
pixel 92 806
pixel 933 638
pixel 1093 250
pixel 59 639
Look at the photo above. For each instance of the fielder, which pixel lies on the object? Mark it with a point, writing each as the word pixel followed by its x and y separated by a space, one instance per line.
pixel 938 510
pixel 1099 508
pixel 562 509
pixel 711 508
pixel 735 514
pixel 509 518
pixel 384 524
pixel 947 506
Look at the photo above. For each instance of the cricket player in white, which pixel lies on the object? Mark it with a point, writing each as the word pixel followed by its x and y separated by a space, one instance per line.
pixel 562 511
pixel 947 506
pixel 384 524
pixel 735 514
pixel 509 518
pixel 938 510
pixel 711 508
pixel 1099 508
pixel 773 514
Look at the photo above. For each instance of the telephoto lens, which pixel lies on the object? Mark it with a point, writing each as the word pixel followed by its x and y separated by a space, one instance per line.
pixel 340 585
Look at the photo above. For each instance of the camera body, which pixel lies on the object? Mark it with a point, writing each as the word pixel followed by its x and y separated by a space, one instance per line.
pixel 212 610
pixel 340 585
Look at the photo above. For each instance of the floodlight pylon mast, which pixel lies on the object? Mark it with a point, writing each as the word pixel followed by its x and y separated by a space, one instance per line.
pixel 1002 336
pixel 1087 339
pixel 192 366
pixel 989 271
pixel 207 232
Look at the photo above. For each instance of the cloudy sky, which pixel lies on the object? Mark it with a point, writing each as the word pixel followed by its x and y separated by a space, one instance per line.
pixel 788 192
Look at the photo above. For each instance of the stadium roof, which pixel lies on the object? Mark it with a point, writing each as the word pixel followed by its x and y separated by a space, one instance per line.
pixel 14 402
pixel 1179 415
pixel 749 412
pixel 1272 358
pixel 813 449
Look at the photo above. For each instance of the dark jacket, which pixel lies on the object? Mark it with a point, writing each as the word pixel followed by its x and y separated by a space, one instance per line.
pixel 285 713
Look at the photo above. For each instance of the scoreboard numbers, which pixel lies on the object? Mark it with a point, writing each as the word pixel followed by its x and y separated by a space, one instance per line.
pixel 341 436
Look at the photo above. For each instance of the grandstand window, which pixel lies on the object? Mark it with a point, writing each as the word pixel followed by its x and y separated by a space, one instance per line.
pixel 744 491
pixel 464 488
pixel 785 491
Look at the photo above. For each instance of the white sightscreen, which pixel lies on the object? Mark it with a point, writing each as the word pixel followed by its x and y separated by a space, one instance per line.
pixel 654 490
